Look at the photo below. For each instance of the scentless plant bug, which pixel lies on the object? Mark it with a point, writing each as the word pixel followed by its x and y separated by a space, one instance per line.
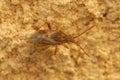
pixel 55 37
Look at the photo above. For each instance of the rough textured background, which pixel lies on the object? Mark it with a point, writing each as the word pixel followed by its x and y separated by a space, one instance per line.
pixel 23 60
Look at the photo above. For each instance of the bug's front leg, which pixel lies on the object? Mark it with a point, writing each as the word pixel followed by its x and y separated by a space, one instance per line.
pixel 82 49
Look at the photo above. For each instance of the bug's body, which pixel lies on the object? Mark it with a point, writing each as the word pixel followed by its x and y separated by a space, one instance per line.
pixel 51 37
pixel 54 37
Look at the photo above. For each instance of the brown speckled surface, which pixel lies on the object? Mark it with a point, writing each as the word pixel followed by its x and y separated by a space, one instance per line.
pixel 21 59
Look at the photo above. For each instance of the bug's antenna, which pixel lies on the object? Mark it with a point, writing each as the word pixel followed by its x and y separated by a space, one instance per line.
pixel 84 31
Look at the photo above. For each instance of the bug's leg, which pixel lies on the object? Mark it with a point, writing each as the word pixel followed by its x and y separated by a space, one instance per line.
pixel 56 48
pixel 55 52
pixel 49 26
pixel 44 47
pixel 82 49
pixel 37 28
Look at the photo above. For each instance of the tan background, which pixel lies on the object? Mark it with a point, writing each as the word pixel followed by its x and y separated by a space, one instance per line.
pixel 23 60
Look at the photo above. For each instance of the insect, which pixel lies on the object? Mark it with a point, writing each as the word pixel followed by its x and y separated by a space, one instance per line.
pixel 54 37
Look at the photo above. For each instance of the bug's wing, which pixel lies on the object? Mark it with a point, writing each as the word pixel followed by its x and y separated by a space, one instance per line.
pixel 42 38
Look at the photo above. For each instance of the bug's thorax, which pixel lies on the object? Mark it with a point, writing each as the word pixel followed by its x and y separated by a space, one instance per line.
pixel 61 37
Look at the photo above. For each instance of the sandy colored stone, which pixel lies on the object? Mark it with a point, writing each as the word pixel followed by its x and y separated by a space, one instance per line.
pixel 21 59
